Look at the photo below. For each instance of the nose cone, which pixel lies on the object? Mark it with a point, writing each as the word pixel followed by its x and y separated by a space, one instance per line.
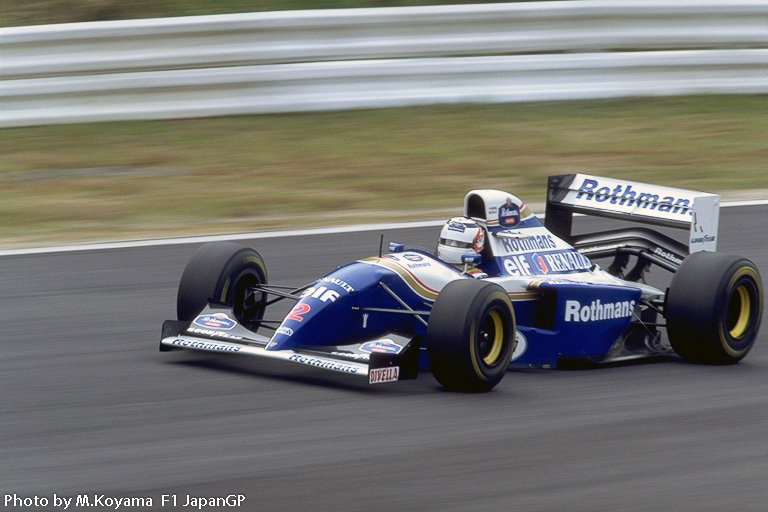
pixel 314 318
pixel 324 314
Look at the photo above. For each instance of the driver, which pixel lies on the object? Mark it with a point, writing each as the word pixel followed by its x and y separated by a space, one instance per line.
pixel 460 236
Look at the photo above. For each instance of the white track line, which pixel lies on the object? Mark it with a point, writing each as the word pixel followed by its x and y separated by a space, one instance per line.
pixel 217 238
pixel 263 234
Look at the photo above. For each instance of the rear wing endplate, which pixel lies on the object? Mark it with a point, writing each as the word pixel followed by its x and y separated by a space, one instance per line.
pixel 698 212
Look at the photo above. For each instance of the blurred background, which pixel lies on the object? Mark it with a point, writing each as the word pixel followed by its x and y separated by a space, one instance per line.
pixel 36 12
pixel 634 92
pixel 90 406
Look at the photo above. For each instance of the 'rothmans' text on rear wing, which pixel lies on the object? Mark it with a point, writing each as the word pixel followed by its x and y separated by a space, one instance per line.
pixel 698 212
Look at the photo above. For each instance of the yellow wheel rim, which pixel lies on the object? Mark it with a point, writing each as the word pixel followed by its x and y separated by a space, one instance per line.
pixel 496 338
pixel 743 308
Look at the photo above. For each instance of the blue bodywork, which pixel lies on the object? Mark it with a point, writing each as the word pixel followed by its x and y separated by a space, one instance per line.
pixel 572 321
pixel 329 313
pixel 370 299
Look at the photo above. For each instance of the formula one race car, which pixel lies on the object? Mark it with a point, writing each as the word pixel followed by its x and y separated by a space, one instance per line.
pixel 503 290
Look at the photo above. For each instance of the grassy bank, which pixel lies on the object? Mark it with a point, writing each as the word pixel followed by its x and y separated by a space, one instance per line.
pixel 171 178
pixel 37 12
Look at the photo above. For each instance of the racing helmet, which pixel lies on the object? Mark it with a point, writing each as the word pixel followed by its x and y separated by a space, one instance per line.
pixel 460 236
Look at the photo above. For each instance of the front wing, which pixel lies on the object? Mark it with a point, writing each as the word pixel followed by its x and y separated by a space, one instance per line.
pixel 215 330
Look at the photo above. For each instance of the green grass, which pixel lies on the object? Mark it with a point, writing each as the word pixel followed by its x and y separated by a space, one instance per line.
pixel 171 178
pixel 166 178
pixel 36 12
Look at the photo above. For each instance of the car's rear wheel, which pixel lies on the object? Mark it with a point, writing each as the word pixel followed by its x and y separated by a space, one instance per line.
pixel 471 335
pixel 713 308
pixel 227 273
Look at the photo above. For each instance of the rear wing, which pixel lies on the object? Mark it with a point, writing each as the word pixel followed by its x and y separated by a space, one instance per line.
pixel 698 212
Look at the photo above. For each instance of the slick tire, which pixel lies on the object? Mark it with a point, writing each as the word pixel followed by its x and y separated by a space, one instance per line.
pixel 713 308
pixel 471 335
pixel 226 273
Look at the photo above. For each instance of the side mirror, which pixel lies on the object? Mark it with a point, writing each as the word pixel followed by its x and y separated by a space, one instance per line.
pixel 471 259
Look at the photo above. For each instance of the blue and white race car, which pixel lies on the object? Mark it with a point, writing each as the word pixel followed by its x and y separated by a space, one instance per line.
pixel 502 290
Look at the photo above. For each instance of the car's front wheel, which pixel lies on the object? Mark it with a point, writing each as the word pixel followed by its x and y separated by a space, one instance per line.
pixel 227 273
pixel 471 335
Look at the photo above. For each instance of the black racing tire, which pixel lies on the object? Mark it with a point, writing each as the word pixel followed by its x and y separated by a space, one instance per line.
pixel 224 272
pixel 471 335
pixel 713 308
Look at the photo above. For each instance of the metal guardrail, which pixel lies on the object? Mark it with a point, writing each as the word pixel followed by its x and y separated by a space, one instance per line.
pixel 366 58
pixel 380 83
pixel 327 35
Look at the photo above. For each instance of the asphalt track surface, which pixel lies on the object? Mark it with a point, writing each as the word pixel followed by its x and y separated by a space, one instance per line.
pixel 90 407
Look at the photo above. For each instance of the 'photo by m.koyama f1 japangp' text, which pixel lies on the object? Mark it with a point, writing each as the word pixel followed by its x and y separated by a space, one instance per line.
pixel 128 503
